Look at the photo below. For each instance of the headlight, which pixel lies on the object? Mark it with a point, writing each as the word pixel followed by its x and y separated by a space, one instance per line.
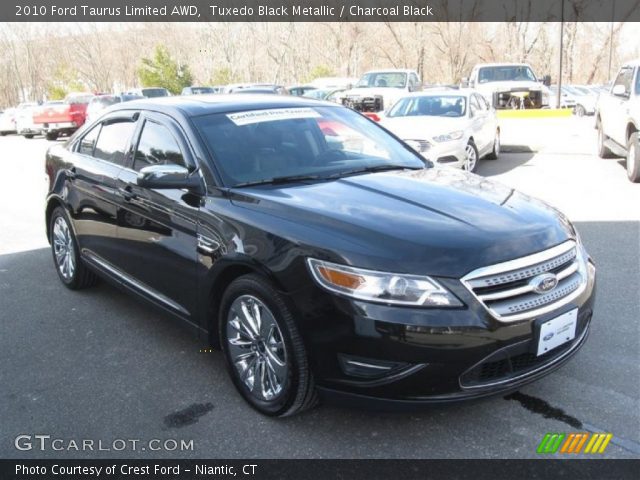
pixel 381 287
pixel 457 135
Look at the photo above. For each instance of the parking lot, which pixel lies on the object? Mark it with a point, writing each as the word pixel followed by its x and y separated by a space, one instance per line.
pixel 98 364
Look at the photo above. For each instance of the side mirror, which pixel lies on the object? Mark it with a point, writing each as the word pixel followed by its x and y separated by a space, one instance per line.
pixel 168 176
pixel 619 91
pixel 546 80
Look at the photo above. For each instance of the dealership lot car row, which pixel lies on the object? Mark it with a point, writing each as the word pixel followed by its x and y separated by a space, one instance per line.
pixel 322 254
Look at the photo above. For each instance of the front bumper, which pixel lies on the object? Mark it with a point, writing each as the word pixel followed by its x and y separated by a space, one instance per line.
pixel 450 154
pixel 431 355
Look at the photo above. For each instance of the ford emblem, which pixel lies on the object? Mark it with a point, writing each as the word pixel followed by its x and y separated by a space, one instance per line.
pixel 548 337
pixel 544 283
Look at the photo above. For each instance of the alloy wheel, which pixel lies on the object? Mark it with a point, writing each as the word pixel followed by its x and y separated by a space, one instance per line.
pixel 63 248
pixel 256 347
pixel 471 159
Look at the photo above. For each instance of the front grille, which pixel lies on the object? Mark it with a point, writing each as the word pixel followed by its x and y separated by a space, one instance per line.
pixel 509 290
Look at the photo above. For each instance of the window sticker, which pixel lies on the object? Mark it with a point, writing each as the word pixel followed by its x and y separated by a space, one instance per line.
pixel 259 116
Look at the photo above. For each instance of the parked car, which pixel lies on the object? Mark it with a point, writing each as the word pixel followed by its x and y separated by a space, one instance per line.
pixel 328 94
pixel 566 100
pixel 509 85
pixel 300 90
pixel 334 82
pixel 350 269
pixel 618 119
pixel 449 127
pixel 24 120
pixel 150 92
pixel 198 90
pixel 270 89
pixel 62 119
pixel 585 100
pixel 378 90
pixel 99 103
pixel 8 121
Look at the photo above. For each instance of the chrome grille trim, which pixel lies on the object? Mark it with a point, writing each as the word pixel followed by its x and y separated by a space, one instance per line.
pixel 509 300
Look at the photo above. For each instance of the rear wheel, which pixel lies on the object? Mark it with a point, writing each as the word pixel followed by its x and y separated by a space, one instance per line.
pixel 633 158
pixel 72 271
pixel 471 157
pixel 495 153
pixel 265 355
pixel 51 135
pixel 28 135
pixel 603 150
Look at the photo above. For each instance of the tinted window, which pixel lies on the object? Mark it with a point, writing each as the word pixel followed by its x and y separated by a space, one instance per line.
pixel 157 146
pixel 506 73
pixel 88 142
pixel 154 92
pixel 113 141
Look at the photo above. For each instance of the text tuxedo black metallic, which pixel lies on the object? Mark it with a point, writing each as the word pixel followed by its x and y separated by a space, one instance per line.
pixel 318 251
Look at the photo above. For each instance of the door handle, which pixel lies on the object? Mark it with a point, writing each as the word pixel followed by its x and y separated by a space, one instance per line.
pixel 127 193
pixel 71 173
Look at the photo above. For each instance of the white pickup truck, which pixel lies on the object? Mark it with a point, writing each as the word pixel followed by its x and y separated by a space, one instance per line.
pixel 618 119
pixel 509 85
pixel 378 90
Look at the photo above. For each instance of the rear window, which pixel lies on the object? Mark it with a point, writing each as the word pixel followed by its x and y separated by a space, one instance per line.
pixel 202 90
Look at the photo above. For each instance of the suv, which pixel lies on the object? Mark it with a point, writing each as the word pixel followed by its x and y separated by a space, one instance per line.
pixel 618 119
pixel 378 90
pixel 318 251
pixel 509 85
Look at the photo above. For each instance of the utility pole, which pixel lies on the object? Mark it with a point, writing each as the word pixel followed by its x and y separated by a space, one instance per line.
pixel 613 13
pixel 559 95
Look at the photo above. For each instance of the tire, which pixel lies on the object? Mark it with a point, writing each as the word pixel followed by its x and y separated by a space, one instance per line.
pixel 275 357
pixel 2 134
pixel 495 152
pixel 28 135
pixel 633 158
pixel 471 161
pixel 51 135
pixel 603 150
pixel 579 111
pixel 66 257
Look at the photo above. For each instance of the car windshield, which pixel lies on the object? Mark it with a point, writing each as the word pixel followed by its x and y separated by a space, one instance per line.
pixel 318 94
pixel 272 145
pixel 383 79
pixel 506 73
pixel 430 106
pixel 154 92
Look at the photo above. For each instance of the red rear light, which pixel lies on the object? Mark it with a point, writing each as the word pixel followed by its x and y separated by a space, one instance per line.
pixel 372 116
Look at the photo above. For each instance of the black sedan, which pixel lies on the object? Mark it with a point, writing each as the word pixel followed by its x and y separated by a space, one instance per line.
pixel 320 253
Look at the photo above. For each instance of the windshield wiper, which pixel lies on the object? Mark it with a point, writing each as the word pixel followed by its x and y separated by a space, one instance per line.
pixel 376 168
pixel 277 180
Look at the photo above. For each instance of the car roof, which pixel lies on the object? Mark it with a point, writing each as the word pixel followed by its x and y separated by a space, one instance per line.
pixel 196 105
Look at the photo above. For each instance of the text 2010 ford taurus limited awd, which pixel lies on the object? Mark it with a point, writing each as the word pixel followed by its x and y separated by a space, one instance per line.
pixel 318 251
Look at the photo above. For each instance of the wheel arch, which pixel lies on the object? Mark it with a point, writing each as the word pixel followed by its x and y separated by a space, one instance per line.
pixel 631 129
pixel 52 203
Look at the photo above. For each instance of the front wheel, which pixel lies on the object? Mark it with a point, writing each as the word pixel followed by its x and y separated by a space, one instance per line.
pixel 263 349
pixel 471 157
pixel 633 158
pixel 579 111
pixel 72 271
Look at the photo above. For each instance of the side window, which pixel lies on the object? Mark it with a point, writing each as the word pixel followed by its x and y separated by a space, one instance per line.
pixel 157 145
pixel 113 141
pixel 413 80
pixel 624 78
pixel 637 81
pixel 88 142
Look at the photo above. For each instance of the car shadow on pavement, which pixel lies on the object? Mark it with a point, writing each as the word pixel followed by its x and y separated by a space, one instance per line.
pixel 511 157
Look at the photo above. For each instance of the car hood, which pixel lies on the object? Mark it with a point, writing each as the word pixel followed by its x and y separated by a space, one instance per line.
pixel 418 128
pixel 443 222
